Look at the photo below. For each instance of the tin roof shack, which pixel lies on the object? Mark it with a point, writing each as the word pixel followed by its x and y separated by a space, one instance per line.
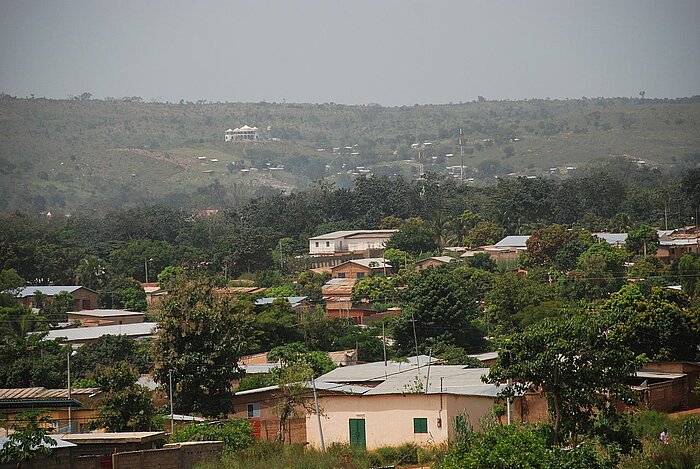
pixel 60 458
pixel 82 402
pixel 85 298
pixel 675 397
pixel 104 317
pixel 660 391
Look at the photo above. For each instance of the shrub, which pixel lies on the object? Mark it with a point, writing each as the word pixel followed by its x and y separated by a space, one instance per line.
pixel 236 434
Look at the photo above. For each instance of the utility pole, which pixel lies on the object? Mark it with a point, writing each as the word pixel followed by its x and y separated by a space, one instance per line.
pixel 70 420
pixel 509 407
pixel 415 337
pixel 384 341
pixel 461 155
pixel 318 415
pixel 172 414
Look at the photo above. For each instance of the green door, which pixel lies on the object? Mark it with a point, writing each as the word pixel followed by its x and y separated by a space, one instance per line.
pixel 357 433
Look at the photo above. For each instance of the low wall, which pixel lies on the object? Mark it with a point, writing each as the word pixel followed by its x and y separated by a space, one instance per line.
pixel 171 456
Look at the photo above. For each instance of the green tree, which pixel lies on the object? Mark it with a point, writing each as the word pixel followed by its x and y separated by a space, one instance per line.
pixel 576 366
pixel 134 257
pixel 483 261
pixel 442 307
pixel 29 439
pixel 659 325
pixel 202 336
pixel 56 310
pixel 688 268
pixel 398 259
pixel 309 284
pixel 169 274
pixel 293 401
pixel 126 405
pixel 32 361
pixel 374 288
pixel 600 272
pixel 17 322
pixel 511 294
pixel 276 324
pixel 296 354
pixel 91 272
pixel 237 434
pixel 414 237
pixel 544 245
pixel 484 233
pixel 123 293
pixel 10 285
pixel 108 350
pixel 642 241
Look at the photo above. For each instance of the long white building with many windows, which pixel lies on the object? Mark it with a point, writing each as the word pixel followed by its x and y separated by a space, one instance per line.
pixel 243 133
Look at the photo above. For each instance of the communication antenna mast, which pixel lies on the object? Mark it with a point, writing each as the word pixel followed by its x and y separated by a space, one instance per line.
pixel 461 155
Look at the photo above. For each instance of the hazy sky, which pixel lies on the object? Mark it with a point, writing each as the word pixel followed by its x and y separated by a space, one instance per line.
pixel 391 52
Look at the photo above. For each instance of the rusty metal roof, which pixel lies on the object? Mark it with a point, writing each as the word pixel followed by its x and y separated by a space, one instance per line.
pixel 15 394
pixel 240 290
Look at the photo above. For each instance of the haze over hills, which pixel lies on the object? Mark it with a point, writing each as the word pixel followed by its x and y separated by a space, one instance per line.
pixel 70 156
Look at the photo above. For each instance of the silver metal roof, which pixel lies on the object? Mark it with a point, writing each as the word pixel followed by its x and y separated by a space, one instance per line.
pixel 47 290
pixel 293 300
pixel 344 234
pixel 615 239
pixel 59 442
pixel 91 333
pixel 513 241
pixel 102 313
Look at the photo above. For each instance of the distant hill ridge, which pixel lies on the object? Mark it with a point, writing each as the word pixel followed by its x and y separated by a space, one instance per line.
pixel 80 155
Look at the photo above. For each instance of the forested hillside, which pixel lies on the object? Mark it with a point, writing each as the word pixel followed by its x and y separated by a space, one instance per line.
pixel 81 155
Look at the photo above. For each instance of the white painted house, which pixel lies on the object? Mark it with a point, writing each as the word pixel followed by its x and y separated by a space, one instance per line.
pixel 243 133
pixel 349 241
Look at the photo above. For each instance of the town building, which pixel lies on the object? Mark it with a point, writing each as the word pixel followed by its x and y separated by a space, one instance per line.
pixel 349 241
pixel 104 317
pixel 434 262
pixel 674 244
pixel 242 133
pixel 85 298
pixel 361 268
pixel 154 293
pixel 56 402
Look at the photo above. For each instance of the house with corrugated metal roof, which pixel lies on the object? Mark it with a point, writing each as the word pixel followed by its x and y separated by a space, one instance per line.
pixel 56 402
pixel 85 298
pixel 382 404
pixel 349 241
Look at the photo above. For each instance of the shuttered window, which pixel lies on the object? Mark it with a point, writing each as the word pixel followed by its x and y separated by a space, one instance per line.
pixel 420 425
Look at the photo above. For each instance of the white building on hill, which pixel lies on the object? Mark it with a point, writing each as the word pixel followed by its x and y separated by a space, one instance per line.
pixel 243 133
